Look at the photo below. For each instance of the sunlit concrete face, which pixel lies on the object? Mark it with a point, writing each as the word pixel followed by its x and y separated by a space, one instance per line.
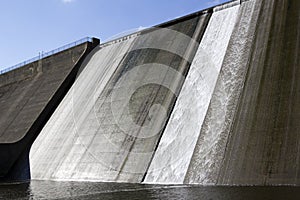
pixel 62 145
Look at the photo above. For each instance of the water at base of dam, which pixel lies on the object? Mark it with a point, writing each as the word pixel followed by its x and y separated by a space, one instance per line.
pixel 38 190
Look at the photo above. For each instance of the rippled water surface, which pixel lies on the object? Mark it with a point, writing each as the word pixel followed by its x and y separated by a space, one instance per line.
pixel 88 190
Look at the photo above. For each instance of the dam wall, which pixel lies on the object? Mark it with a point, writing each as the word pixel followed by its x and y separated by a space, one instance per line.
pixel 210 98
pixel 28 97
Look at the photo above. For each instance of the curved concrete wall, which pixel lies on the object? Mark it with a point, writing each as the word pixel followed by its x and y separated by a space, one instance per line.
pixel 28 96
pixel 23 95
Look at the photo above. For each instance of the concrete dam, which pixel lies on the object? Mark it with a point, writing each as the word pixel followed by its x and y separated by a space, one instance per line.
pixel 210 98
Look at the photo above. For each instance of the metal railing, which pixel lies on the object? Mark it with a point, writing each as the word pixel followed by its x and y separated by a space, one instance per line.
pixel 43 55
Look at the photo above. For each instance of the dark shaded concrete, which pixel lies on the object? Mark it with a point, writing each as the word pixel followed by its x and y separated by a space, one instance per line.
pixel 28 97
pixel 264 144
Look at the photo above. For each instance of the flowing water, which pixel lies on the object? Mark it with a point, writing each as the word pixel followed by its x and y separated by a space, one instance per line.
pixel 207 158
pixel 171 159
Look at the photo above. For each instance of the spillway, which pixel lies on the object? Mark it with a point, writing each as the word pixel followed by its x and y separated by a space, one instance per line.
pixel 171 159
pixel 211 145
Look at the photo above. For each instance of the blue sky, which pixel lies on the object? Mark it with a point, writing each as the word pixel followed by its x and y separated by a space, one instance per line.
pixel 32 26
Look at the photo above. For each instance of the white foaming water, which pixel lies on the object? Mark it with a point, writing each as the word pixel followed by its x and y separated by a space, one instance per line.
pixel 207 158
pixel 171 160
pixel 227 5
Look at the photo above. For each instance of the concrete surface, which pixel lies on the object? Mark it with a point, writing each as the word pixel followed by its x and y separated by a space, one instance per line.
pixel 28 96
